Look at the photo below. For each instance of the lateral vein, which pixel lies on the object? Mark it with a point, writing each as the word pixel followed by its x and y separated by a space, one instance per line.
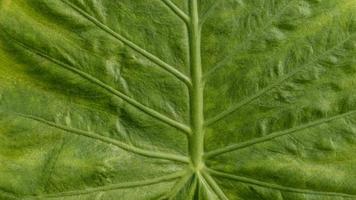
pixel 277 187
pixel 107 188
pixel 271 86
pixel 204 176
pixel 177 11
pixel 107 140
pixel 275 135
pixel 132 45
pixel 257 33
pixel 178 186
pixel 110 89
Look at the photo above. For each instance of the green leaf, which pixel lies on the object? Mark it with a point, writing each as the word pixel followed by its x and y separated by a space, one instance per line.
pixel 178 99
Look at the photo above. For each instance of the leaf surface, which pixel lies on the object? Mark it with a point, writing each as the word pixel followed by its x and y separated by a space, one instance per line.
pixel 178 99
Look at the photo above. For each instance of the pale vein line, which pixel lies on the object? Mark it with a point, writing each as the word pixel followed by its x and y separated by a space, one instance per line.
pixel 271 86
pixel 132 45
pixel 178 186
pixel 108 88
pixel 256 33
pixel 277 187
pixel 107 188
pixel 194 186
pixel 177 11
pixel 208 12
pixel 212 184
pixel 108 140
pixel 275 135
pixel 51 163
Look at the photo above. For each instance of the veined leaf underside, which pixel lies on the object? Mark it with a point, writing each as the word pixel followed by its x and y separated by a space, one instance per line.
pixel 198 179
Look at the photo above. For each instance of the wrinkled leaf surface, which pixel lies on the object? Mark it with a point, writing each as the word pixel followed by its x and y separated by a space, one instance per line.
pixel 178 99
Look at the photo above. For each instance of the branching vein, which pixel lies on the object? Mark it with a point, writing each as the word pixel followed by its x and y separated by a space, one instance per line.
pixel 132 45
pixel 113 186
pixel 95 136
pixel 277 187
pixel 213 185
pixel 178 186
pixel 195 131
pixel 108 88
pixel 273 85
pixel 275 135
pixel 177 11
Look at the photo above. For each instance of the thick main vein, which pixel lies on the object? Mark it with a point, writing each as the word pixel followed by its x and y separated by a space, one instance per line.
pixel 132 45
pixel 277 187
pixel 276 135
pixel 196 101
pixel 107 188
pixel 108 88
pixel 95 136
pixel 277 83
pixel 196 95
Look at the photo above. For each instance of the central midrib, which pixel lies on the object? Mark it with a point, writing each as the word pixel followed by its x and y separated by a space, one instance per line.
pixel 196 139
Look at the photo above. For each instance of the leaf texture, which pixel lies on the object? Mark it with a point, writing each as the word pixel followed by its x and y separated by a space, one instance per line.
pixel 178 99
